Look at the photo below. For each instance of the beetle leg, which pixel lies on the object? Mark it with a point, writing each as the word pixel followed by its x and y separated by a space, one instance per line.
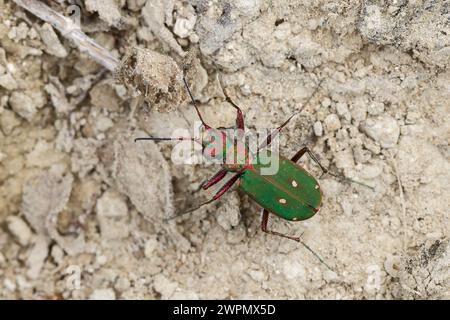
pixel 215 179
pixel 219 194
pixel 195 103
pixel 208 182
pixel 240 116
pixel 264 222
pixel 304 150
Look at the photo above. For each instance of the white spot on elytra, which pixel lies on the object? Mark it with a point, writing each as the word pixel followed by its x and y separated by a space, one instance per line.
pixel 283 201
pixel 316 187
pixel 295 219
pixel 294 183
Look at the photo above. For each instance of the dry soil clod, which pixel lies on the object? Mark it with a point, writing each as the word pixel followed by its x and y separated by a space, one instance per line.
pixel 154 75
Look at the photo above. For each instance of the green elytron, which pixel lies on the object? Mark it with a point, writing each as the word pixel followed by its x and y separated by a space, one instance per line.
pixel 292 193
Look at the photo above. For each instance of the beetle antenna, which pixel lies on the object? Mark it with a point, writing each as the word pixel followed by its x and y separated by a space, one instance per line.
pixel 304 104
pixel 164 139
pixel 343 178
pixel 275 132
pixel 194 102
pixel 189 211
pixel 316 255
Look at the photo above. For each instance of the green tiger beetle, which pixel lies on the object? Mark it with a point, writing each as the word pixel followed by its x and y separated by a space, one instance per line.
pixel 292 193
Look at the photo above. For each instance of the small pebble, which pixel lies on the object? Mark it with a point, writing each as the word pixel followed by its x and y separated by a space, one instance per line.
pixel 36 257
pixel 11 68
pixel 375 108
pixel 313 24
pixel 283 31
pixel 329 276
pixel 23 105
pixel 122 284
pixel 183 27
pixel 361 155
pixel 332 122
pixel 111 204
pixel 341 108
pixel 257 275
pixel 8 121
pixel 318 129
pixel 52 44
pixel 57 254
pixel 101 259
pixel 370 145
pixel 326 102
pixel 194 38
pixel 103 123
pixel 412 117
pixel 22 31
pixel 150 246
pixel 9 284
pixel 358 111
pixel 32 33
pixel 164 286
pixel 383 129
pixel 392 265
pixel 8 82
pixel 19 229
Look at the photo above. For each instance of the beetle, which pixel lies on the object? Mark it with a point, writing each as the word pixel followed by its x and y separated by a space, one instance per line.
pixel 292 193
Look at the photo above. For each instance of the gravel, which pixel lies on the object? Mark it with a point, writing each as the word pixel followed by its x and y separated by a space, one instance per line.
pixel 84 207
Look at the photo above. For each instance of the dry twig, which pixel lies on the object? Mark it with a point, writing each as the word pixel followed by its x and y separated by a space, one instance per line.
pixel 72 31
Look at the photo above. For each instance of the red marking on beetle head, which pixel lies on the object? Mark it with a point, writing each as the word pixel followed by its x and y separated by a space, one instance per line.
pixel 213 142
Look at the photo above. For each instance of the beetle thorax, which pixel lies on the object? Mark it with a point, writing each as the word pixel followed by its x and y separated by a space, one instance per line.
pixel 229 150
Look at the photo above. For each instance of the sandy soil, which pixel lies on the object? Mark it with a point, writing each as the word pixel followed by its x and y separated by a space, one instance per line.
pixel 82 206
